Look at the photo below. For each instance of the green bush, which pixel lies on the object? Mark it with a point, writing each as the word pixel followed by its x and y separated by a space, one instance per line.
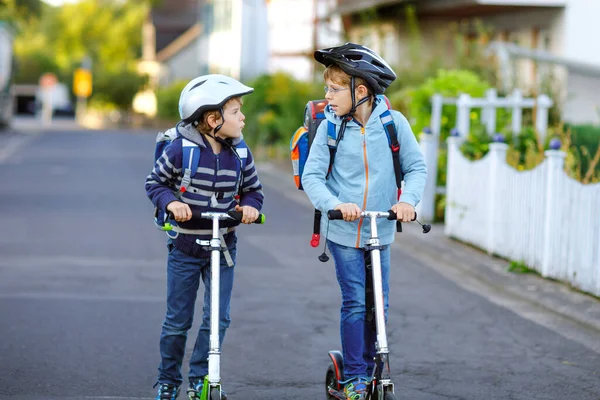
pixel 167 101
pixel 117 87
pixel 276 108
pixel 583 146
pixel 448 83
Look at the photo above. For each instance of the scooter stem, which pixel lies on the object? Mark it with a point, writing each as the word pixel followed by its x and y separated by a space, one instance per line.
pixel 382 344
pixel 214 354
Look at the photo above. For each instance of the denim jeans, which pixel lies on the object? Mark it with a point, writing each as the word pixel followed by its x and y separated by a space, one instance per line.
pixel 358 335
pixel 183 280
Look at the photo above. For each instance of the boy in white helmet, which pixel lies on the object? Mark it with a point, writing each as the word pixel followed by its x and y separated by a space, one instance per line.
pixel 225 180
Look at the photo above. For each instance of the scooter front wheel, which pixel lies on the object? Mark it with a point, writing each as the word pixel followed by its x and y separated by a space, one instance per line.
pixel 389 396
pixel 215 394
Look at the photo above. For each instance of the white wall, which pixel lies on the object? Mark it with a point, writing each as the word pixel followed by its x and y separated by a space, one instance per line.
pixel 291 34
pixel 181 66
pixel 582 30
pixel 254 44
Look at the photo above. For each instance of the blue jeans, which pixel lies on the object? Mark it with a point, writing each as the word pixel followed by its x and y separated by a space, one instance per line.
pixel 358 335
pixel 183 279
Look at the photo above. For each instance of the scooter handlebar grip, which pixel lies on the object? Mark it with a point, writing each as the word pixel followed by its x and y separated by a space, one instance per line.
pixel 393 216
pixel 335 214
pixel 315 240
pixel 237 215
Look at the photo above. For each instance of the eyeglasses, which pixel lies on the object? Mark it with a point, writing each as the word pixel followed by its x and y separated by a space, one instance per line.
pixel 332 90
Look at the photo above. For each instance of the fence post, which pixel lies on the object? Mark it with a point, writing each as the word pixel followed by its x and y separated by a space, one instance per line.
pixel 541 119
pixel 437 102
pixel 429 147
pixel 489 111
pixel 497 157
pixel 463 109
pixel 555 160
pixel 454 142
pixel 517 111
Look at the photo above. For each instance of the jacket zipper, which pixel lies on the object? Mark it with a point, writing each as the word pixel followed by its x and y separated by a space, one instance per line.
pixel 364 145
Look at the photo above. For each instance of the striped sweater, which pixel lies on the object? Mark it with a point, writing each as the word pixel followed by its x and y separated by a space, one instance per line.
pixel 212 188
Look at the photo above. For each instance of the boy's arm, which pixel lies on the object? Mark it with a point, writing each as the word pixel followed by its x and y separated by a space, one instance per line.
pixel 413 164
pixel 315 172
pixel 252 194
pixel 160 184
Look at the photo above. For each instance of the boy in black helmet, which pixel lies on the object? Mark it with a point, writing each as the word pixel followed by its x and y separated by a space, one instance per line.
pixel 362 178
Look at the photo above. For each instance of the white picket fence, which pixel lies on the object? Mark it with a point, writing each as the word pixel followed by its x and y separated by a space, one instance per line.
pixel 464 104
pixel 540 217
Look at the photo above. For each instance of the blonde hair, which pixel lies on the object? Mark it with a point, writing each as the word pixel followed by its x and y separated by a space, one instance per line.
pixel 337 75
pixel 203 125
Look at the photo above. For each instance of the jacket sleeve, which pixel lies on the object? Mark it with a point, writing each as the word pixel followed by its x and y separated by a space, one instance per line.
pixel 161 183
pixel 412 163
pixel 315 173
pixel 252 193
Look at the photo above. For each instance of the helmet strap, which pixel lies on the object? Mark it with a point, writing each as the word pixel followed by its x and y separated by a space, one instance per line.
pixel 221 125
pixel 355 105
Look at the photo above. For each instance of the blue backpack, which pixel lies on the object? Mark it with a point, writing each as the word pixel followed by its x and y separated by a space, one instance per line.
pixel 189 166
pixel 304 136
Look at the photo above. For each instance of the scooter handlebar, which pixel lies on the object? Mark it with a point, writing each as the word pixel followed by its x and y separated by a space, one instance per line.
pixel 236 215
pixel 337 214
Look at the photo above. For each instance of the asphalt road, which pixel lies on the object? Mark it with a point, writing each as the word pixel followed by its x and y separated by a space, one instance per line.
pixel 82 290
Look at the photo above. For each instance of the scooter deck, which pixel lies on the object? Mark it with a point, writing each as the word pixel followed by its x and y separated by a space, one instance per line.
pixel 336 394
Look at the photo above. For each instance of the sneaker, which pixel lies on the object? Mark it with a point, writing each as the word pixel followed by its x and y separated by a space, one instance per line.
pixel 166 391
pixel 195 389
pixel 356 390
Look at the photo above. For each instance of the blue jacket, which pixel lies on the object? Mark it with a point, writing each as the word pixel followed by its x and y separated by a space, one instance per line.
pixel 363 173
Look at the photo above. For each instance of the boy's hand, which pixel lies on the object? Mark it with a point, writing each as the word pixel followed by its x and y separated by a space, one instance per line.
pixel 404 212
pixel 350 211
pixel 249 213
pixel 180 211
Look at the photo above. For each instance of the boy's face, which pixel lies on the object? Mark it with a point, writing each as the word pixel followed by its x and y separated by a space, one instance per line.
pixel 339 98
pixel 234 120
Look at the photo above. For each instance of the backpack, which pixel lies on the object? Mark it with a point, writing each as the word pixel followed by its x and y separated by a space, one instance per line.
pixel 304 136
pixel 189 166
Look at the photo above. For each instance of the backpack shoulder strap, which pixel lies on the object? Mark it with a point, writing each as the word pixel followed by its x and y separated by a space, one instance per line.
pixel 390 130
pixel 189 163
pixel 242 152
pixel 332 143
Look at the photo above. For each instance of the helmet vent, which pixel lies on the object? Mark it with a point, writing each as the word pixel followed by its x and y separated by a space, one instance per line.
pixel 197 84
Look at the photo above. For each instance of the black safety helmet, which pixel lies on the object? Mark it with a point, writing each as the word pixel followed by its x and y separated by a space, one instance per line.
pixel 360 61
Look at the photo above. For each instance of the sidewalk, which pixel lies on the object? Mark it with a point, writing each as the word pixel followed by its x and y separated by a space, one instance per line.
pixel 549 303
pixel 33 125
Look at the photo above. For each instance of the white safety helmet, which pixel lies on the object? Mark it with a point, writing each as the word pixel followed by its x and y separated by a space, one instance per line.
pixel 208 92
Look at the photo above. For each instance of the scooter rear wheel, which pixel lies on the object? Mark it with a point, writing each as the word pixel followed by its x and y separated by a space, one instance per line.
pixel 330 381
pixel 389 396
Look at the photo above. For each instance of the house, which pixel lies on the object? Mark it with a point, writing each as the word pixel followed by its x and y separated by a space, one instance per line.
pixel 296 31
pixel 557 32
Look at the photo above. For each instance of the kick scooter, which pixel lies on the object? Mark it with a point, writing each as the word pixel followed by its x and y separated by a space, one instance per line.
pixel 380 386
pixel 211 390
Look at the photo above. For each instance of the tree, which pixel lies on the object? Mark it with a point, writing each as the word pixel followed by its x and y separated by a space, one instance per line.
pixel 106 31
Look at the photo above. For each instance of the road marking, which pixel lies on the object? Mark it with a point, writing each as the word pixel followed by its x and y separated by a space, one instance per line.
pixel 74 261
pixel 83 297
pixel 14 143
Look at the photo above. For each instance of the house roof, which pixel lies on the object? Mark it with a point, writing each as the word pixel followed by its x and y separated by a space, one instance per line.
pixel 181 42
pixel 346 7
